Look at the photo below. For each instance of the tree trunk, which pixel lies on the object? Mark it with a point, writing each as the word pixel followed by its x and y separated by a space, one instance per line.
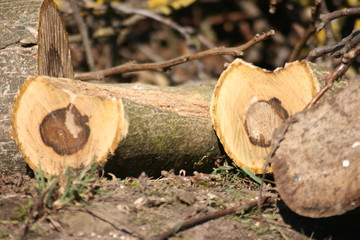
pixel 249 103
pixel 18 28
pixel 316 162
pixel 61 122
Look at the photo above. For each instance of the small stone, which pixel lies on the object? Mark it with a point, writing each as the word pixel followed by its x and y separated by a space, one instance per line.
pixel 212 196
pixel 346 163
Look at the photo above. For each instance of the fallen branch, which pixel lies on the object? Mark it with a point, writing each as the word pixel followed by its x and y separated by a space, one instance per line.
pixel 84 34
pixel 338 49
pixel 326 18
pixel 309 31
pixel 184 31
pixel 211 216
pixel 133 67
pixel 336 74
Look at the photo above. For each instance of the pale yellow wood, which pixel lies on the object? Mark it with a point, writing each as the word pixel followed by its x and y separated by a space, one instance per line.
pixel 40 96
pixel 241 85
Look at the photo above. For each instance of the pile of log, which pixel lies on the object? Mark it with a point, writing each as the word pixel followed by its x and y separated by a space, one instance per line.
pixel 58 122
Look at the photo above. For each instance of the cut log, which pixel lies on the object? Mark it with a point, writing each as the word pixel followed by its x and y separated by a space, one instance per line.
pixel 24 26
pixel 59 123
pixel 249 103
pixel 18 28
pixel 316 162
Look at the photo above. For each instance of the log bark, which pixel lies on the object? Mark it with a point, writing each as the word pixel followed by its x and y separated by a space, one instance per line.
pixel 316 156
pixel 18 30
pixel 59 123
pixel 249 103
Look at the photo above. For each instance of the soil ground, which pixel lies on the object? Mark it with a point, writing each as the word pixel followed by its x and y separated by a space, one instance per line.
pixel 140 208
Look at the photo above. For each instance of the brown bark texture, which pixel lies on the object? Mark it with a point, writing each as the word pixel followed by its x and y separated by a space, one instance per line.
pixel 59 123
pixel 316 156
pixel 18 29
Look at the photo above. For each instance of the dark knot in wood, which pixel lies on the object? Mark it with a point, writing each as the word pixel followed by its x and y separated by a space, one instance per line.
pixel 65 130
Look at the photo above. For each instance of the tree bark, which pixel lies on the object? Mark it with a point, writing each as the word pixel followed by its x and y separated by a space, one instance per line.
pixel 316 158
pixel 18 51
pixel 60 122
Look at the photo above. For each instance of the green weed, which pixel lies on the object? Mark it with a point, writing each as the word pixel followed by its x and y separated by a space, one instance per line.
pixel 4 234
pixel 80 187
pixel 131 182
pixel 234 173
pixel 23 212
pixel 74 186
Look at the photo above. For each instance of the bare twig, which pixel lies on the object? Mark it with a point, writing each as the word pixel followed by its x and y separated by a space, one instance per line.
pixel 211 216
pixel 338 49
pixel 326 18
pixel 184 31
pixel 336 74
pixel 329 32
pixel 309 31
pixel 272 6
pixel 84 34
pixel 133 67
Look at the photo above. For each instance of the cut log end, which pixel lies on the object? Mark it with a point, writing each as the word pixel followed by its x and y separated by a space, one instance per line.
pixel 249 103
pixel 65 124
pixel 316 164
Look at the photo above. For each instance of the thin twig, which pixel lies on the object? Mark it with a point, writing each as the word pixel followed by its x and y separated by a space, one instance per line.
pixel 326 18
pixel 272 6
pixel 336 74
pixel 133 67
pixel 309 31
pixel 338 49
pixel 84 34
pixel 329 32
pixel 211 216
pixel 184 31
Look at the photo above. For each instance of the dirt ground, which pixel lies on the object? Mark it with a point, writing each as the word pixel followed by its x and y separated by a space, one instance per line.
pixel 142 208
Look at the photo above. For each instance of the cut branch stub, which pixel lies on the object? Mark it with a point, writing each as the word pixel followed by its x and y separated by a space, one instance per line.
pixel 249 103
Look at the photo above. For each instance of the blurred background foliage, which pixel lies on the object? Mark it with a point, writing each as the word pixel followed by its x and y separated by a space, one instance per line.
pixel 118 36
